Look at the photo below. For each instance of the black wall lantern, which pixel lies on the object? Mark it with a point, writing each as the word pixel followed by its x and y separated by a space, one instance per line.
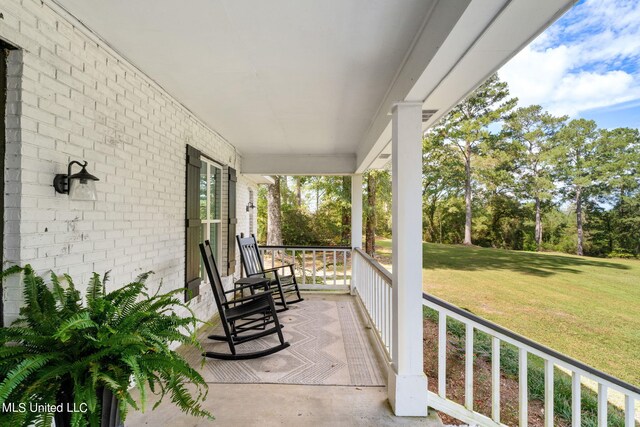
pixel 79 186
pixel 250 205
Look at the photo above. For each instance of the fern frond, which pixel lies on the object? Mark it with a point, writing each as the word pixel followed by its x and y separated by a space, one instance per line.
pixel 80 320
pixel 94 289
pixel 20 373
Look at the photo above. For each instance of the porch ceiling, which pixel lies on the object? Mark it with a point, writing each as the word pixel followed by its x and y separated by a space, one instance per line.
pixel 310 83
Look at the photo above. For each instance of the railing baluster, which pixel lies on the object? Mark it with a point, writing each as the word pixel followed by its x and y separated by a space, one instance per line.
pixel 442 354
pixel 602 405
pixel 629 411
pixel 304 267
pixel 378 301
pixel 495 379
pixel 313 261
pixel 293 259
pixel 548 393
pixel 576 400
pixel 468 367
pixel 385 306
pixel 369 291
pixel 389 329
pixel 324 267
pixel 335 265
pixel 523 387
pixel 376 308
pixel 344 255
pixel 380 304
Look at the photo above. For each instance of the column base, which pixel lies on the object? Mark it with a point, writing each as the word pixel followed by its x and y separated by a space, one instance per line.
pixel 407 394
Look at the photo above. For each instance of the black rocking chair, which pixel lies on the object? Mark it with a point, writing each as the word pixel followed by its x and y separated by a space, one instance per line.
pixel 243 319
pixel 281 285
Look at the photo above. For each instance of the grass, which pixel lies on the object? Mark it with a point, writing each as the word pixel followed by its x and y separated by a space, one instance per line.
pixel 587 308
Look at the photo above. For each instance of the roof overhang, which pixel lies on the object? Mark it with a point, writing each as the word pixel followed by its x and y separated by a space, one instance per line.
pixel 306 87
pixel 259 179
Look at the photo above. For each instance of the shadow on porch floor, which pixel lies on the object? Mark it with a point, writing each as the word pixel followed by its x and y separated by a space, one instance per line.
pixel 331 375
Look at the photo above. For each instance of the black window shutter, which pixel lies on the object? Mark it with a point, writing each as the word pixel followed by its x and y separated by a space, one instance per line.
pixel 231 230
pixel 193 227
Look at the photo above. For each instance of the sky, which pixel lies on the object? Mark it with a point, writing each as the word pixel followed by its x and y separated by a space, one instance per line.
pixel 587 64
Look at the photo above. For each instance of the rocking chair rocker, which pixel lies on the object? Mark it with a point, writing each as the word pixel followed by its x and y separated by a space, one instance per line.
pixel 243 319
pixel 282 285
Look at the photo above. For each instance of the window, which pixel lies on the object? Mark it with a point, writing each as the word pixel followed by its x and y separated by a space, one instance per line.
pixel 203 214
pixel 210 201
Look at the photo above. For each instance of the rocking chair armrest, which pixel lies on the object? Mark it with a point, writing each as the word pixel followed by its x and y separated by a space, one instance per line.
pixel 259 274
pixel 243 287
pixel 261 294
pixel 248 283
pixel 251 281
pixel 275 269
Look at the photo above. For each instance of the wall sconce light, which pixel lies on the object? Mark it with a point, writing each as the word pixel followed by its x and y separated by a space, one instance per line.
pixel 79 186
pixel 250 205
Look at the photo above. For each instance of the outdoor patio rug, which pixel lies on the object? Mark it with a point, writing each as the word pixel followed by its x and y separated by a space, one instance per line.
pixel 329 346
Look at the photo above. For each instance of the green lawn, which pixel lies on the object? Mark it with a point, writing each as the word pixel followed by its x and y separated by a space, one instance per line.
pixel 587 308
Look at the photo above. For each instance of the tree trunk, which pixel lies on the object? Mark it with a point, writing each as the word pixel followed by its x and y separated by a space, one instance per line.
pixel 467 196
pixel 274 213
pixel 432 222
pixel 579 220
pixel 370 235
pixel 538 232
pixel 346 212
pixel 299 191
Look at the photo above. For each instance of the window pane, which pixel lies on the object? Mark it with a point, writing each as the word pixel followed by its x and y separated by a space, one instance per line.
pixel 214 201
pixel 203 190
pixel 214 239
pixel 205 236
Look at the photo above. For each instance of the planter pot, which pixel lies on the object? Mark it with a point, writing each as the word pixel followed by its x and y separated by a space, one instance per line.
pixel 110 409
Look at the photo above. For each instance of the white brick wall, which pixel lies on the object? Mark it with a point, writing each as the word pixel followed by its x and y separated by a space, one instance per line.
pixel 70 97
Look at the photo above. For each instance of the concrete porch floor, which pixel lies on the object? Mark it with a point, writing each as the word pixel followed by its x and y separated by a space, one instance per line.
pixel 267 404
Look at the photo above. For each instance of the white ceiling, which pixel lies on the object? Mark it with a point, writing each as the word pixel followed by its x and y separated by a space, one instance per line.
pixel 277 76
pixel 305 86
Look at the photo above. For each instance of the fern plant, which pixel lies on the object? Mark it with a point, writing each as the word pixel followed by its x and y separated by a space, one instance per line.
pixel 63 351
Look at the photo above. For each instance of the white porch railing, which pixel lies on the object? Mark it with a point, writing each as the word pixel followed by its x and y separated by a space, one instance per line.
pixel 551 359
pixel 316 267
pixel 372 284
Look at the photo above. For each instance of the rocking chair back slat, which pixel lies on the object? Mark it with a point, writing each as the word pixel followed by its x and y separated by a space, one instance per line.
pixel 250 256
pixel 214 275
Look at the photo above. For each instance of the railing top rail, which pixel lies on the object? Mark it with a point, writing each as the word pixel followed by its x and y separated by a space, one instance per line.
pixel 305 247
pixel 526 341
pixel 375 264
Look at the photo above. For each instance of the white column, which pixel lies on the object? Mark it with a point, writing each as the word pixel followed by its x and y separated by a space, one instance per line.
pixel 407 382
pixel 356 224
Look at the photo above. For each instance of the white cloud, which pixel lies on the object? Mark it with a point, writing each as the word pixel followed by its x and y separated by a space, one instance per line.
pixel 588 59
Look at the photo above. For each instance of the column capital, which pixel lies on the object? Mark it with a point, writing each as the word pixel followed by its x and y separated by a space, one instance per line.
pixel 402 104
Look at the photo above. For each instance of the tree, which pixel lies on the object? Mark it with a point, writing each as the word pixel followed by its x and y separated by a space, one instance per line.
pixel 466 126
pixel 370 213
pixel 345 202
pixel 580 156
pixel 274 213
pixel 300 181
pixel 442 174
pixel 532 132
pixel 623 189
